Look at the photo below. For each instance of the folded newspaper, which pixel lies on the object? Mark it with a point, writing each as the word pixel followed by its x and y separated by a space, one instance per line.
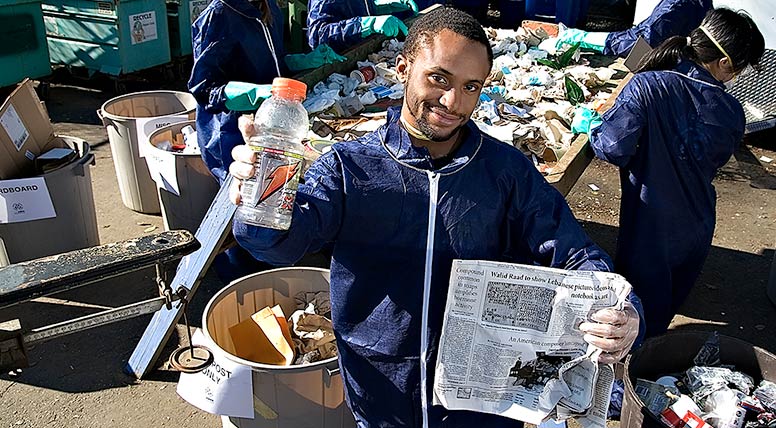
pixel 511 345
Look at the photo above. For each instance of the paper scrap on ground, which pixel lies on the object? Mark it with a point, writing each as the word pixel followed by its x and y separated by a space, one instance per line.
pixel 223 388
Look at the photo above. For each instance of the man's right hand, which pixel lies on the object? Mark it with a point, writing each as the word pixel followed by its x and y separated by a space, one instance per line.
pixel 240 169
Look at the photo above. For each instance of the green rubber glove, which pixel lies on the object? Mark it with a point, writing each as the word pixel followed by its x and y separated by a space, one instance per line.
pixel 585 120
pixel 242 96
pixel 388 25
pixel 387 7
pixel 323 54
pixel 589 41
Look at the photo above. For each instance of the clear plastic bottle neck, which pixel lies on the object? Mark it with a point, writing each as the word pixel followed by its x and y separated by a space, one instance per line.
pixel 288 94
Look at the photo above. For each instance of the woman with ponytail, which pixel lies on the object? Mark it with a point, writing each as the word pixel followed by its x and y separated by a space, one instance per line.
pixel 671 128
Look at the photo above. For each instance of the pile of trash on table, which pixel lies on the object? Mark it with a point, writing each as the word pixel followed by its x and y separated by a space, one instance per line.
pixel 710 395
pixel 537 97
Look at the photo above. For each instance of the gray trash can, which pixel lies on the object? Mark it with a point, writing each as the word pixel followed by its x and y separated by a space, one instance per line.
pixel 130 117
pixel 197 186
pixel 300 396
pixel 673 352
pixel 75 224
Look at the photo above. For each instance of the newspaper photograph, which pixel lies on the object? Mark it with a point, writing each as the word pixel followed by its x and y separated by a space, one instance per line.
pixel 511 345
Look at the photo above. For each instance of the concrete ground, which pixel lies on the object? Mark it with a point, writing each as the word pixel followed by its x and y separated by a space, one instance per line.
pixel 77 381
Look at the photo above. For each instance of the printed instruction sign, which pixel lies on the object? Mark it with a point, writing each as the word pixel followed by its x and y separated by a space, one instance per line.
pixel 25 199
pixel 196 7
pixel 161 166
pixel 14 127
pixel 142 27
pixel 146 126
pixel 223 388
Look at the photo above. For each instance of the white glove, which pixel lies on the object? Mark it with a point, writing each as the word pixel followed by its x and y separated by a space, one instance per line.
pixel 613 332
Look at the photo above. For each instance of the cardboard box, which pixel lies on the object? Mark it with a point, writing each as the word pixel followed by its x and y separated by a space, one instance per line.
pixel 25 133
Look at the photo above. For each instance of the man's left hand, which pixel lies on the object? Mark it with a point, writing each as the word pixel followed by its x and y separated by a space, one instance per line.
pixel 613 331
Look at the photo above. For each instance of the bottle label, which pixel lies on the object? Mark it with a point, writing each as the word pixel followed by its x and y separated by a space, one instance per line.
pixel 277 178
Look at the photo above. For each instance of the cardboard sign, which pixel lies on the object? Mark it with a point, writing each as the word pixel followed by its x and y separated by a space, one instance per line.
pixel 25 199
pixel 142 27
pixel 223 388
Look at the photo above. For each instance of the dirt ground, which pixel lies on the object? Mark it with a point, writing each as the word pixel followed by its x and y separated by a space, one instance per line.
pixel 77 381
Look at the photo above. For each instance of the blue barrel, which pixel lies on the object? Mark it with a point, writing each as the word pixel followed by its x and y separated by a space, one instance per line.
pixel 572 13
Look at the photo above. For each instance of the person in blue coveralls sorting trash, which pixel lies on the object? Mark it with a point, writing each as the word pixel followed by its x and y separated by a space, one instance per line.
pixel 399 204
pixel 233 41
pixel 669 18
pixel 671 128
pixel 342 24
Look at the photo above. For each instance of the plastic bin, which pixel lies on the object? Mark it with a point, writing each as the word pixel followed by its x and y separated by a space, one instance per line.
pixel 673 353
pixel 75 225
pixel 112 37
pixel 197 186
pixel 303 396
pixel 23 49
pixel 572 13
pixel 181 14
pixel 129 118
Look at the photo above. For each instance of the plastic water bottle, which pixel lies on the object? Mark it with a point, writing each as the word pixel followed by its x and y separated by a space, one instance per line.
pixel 280 123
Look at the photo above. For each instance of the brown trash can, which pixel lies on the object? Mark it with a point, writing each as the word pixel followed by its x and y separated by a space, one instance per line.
pixel 673 353
pixel 298 396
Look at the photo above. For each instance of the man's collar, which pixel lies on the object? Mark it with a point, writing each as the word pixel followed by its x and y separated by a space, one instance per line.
pixel 397 141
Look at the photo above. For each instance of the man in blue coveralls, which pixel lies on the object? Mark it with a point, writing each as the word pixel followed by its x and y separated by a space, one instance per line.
pixel 399 204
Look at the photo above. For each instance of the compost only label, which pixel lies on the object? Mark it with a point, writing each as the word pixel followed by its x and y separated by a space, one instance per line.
pixel 142 27
pixel 25 199
pixel 224 388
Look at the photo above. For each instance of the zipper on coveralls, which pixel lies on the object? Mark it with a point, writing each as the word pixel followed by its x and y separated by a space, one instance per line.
pixel 433 190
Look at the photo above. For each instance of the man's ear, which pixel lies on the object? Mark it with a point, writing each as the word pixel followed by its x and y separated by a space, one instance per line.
pixel 402 68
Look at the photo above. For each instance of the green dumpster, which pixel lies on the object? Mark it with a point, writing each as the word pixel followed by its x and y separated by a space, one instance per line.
pixel 23 50
pixel 112 37
pixel 180 15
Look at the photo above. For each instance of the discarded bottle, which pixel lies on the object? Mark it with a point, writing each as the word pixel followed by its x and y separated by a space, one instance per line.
pixel 280 123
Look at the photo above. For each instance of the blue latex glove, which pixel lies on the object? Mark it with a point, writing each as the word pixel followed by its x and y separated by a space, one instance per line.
pixel 388 25
pixel 387 7
pixel 323 54
pixel 242 96
pixel 585 120
pixel 589 41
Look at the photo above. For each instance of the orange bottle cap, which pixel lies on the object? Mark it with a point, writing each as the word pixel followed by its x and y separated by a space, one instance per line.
pixel 289 86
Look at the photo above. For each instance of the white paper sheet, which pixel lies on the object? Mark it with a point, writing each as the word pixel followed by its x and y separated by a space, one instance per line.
pixel 223 388
pixel 25 199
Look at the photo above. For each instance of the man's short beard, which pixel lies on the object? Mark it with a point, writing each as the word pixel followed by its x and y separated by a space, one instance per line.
pixel 423 126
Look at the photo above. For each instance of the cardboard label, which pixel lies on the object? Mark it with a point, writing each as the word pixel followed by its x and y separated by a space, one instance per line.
pixel 146 126
pixel 143 27
pixel 25 199
pixel 14 127
pixel 196 7
pixel 223 388
pixel 161 166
